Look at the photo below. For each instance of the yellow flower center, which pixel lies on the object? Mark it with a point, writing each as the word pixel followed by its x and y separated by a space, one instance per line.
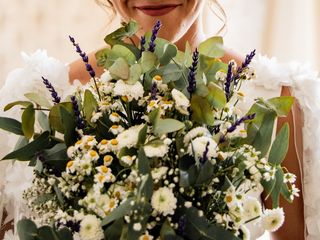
pixel 117 194
pixel 90 139
pixel 243 131
pixel 101 178
pixel 93 153
pixel 241 94
pixel 104 169
pixel 104 142
pixel 157 78
pixel 69 164
pixel 87 147
pixel 114 142
pixel 228 199
pixel 125 98
pixel 167 102
pixel 152 103
pixel 115 126
pixel 107 158
pixel 114 114
pixel 112 204
pixel 78 142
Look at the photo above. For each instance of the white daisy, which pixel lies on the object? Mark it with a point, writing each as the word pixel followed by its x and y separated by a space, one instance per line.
pixel 127 160
pixel 129 137
pixel 90 228
pixel 181 101
pixel 272 219
pixel 158 173
pixel 195 132
pixel 252 208
pixel 163 201
pixel 116 129
pixel 156 150
pixel 134 91
pixel 198 147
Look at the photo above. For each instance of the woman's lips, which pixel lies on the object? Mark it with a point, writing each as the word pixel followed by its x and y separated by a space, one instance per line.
pixel 157 10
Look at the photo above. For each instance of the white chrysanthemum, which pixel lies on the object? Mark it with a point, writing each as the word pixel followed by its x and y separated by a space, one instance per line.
pixel 272 219
pixel 134 91
pixel 164 201
pixel 158 173
pixel 157 150
pixel 129 137
pixel 252 208
pixel 198 147
pixel 195 132
pixel 90 228
pixel 181 101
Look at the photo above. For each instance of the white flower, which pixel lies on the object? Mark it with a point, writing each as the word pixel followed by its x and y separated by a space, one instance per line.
pixel 163 201
pixel 105 77
pixel 146 236
pixel 252 208
pixel 289 178
pixel 195 132
pixel 294 192
pixel 90 228
pixel 116 129
pixel 95 116
pixel 272 219
pixel 137 227
pixel 127 160
pixel 114 117
pixel 129 137
pixel 181 101
pixel 198 147
pixel 156 150
pixel 158 173
pixel 134 91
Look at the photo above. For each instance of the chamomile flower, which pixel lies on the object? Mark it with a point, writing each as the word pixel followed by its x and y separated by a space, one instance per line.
pixel 70 168
pixel 114 117
pixel 103 146
pixel 182 103
pixel 134 91
pixel 146 236
pixel 289 178
pixel 127 160
pixel 129 137
pixel 272 219
pixel 116 129
pixel 95 116
pixel 153 104
pixel 107 160
pixel 163 201
pixel 90 228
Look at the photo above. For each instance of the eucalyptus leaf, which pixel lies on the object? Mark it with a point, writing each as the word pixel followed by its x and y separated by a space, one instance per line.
pixel 27 230
pixel 11 125
pixel 148 61
pixel 171 73
pixel 201 110
pixel 120 69
pixel 212 47
pixel 275 194
pixel 135 73
pixel 38 99
pixel 216 96
pixel 170 51
pixel 69 125
pixel 168 125
pixel 55 116
pixel 280 146
pixel 90 105
pixel 16 103
pixel 142 135
pixel 27 152
pixel 281 105
pixel 47 233
pixel 115 229
pixel 28 120
pixel 123 52
pixel 128 30
pixel 43 121
pixel 143 162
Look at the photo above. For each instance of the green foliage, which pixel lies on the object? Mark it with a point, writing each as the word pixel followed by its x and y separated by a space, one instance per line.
pixel 90 105
pixel 216 96
pixel 148 61
pixel 38 99
pixel 202 111
pixel 69 125
pixel 169 52
pixel 11 125
pixel 212 47
pixel 120 69
pixel 55 116
pixel 28 120
pixel 280 146
pixel 16 103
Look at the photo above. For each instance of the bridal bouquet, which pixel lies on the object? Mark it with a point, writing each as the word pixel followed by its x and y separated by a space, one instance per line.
pixel 155 148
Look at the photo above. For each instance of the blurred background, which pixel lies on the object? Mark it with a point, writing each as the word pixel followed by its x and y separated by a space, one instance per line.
pixel 286 29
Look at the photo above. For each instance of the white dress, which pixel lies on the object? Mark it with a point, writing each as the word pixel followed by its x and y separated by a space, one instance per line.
pixel 271 75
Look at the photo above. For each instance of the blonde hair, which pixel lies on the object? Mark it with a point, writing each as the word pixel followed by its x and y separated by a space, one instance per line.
pixel 214 5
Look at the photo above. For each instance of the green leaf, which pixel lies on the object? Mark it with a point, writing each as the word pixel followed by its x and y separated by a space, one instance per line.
pixel 198 228
pixel 135 73
pixel 27 152
pixel 201 110
pixel 28 120
pixel 187 55
pixel 143 135
pixel 128 30
pixel 281 105
pixel 210 66
pixel 20 103
pixel 143 162
pixel 11 125
pixel 43 198
pixel 280 146
pixel 148 61
pixel 120 69
pixel 154 116
pixel 43 121
pixel 168 125
pixel 38 99
pixel 47 233
pixel 212 47
pixel 69 125
pixel 58 194
pixel 170 51
pixel 263 137
pixel 27 230
pixel 167 232
pixel 125 53
pixel 55 116
pixel 171 73
pixel 205 173
pixel 114 231
pixel 56 156
pixel 90 105
pixel 65 234
pixel 275 194
pixel 216 96
pixel 285 193
pixel 122 210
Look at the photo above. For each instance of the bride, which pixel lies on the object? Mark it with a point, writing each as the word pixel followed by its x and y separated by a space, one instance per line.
pixel 182 22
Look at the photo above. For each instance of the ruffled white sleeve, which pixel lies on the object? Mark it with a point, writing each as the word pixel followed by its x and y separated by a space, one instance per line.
pixel 17 176
pixel 305 87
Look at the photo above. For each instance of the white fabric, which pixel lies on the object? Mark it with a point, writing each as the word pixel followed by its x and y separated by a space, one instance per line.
pixel 271 75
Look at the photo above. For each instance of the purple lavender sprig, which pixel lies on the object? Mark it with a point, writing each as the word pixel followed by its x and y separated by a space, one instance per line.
pixel 205 154
pixel 154 89
pixel 55 98
pixel 84 57
pixel 239 121
pixel 244 65
pixel 182 225
pixel 142 43
pixel 155 30
pixel 228 82
pixel 79 119
pixel 193 71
